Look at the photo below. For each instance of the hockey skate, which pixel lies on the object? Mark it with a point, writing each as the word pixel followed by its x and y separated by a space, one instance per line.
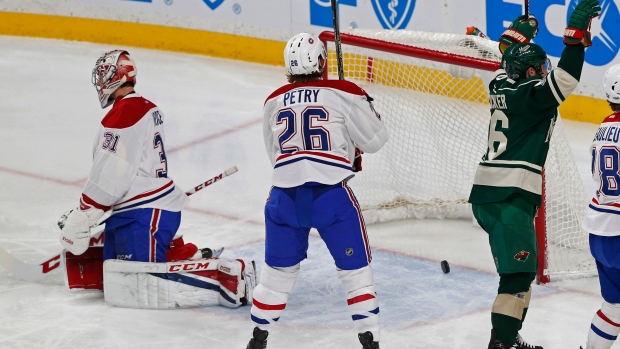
pixel 499 345
pixel 249 275
pixel 259 339
pixel 521 344
pixel 367 341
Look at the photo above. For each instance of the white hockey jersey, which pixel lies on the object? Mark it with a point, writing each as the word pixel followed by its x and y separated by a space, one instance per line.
pixel 311 131
pixel 603 213
pixel 129 161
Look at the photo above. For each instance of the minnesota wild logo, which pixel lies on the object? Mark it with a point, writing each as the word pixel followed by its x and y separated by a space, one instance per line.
pixel 522 256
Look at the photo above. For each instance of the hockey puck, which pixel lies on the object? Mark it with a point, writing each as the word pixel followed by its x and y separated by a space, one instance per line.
pixel 445 267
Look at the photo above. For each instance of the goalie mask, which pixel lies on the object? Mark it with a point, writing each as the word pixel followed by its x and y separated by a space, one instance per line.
pixel 611 84
pixel 111 71
pixel 519 57
pixel 302 55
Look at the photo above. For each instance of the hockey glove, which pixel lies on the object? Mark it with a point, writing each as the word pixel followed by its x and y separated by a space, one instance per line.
pixel 75 233
pixel 578 30
pixel 521 30
pixel 357 162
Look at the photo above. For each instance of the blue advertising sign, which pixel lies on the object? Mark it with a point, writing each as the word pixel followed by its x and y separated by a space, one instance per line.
pixel 394 14
pixel 321 11
pixel 604 30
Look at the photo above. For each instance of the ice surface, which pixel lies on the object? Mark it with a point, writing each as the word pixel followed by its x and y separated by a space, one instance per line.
pixel 213 109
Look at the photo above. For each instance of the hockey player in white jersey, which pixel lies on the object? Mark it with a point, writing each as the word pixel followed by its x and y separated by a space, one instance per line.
pixel 602 219
pixel 129 180
pixel 315 132
pixel 129 175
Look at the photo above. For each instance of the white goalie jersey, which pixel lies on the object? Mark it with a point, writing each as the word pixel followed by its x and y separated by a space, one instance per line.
pixel 129 161
pixel 311 131
pixel 603 213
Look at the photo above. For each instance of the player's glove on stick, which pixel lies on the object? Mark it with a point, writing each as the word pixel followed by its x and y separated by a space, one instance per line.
pixel 578 30
pixel 357 162
pixel 521 30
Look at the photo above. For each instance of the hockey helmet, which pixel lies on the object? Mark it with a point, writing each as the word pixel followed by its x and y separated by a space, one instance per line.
pixel 112 70
pixel 302 54
pixel 611 84
pixel 519 57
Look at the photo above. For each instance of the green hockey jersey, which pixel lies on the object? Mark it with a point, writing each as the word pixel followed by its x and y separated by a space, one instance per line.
pixel 523 115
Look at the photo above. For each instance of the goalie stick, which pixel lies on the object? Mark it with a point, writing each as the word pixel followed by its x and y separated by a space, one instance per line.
pixel 34 272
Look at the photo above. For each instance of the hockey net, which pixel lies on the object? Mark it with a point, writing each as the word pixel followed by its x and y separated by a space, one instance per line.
pixel 431 89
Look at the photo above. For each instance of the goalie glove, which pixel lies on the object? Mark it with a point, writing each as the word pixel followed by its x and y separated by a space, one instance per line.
pixel 75 228
pixel 578 30
pixel 521 30
pixel 357 162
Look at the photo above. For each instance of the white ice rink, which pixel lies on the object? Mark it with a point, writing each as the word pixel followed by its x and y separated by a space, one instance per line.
pixel 49 113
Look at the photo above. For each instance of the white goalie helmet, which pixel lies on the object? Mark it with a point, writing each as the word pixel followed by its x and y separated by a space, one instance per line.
pixel 611 84
pixel 112 70
pixel 302 53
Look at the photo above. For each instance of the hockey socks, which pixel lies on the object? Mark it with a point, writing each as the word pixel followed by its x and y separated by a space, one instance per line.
pixel 510 306
pixel 271 294
pixel 605 327
pixel 362 299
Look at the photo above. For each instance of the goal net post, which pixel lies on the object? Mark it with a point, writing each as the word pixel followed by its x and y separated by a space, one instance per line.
pixel 431 89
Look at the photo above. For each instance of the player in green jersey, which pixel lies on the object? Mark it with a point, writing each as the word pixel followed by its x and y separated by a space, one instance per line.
pixel 524 96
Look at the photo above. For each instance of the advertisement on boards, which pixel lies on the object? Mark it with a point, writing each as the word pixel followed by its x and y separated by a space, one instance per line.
pixel 279 19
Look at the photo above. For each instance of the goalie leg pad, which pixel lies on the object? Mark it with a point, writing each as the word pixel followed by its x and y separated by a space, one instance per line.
pixel 271 294
pixel 237 282
pixel 362 299
pixel 161 285
pixel 85 271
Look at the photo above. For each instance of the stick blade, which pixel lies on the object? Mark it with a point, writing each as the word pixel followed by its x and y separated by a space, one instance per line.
pixel 19 269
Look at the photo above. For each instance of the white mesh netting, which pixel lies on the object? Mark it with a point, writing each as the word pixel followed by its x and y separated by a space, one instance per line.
pixel 437 115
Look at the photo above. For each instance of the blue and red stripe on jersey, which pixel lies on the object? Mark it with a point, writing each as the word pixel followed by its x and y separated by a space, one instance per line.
pixel 145 198
pixel 315 156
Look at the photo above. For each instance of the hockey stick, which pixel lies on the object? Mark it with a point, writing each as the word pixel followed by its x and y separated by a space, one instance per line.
pixel 35 272
pixel 337 40
pixel 527 7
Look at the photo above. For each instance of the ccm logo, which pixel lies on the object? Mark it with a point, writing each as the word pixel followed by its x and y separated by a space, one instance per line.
pixel 225 269
pixel 188 267
pixel 67 240
pixel 208 183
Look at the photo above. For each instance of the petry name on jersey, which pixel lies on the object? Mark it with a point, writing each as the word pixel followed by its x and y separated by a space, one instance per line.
pixel 301 96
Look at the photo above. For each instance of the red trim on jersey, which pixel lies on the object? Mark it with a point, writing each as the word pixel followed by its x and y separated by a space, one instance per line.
pixel 86 201
pixel 263 306
pixel 361 220
pixel 606 319
pixel 342 85
pixel 333 157
pixel 154 229
pixel 612 118
pixel 152 192
pixel 360 298
pixel 594 201
pixel 127 111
